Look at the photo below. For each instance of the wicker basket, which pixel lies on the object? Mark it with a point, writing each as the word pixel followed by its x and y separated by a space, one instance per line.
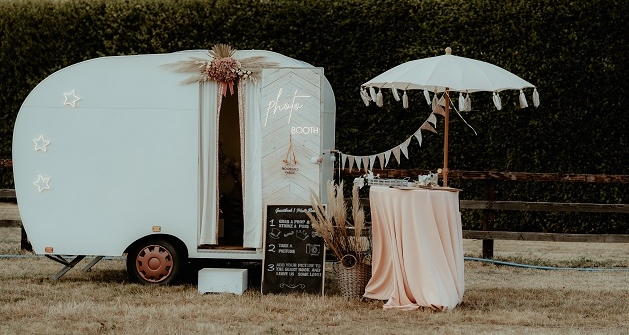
pixel 352 280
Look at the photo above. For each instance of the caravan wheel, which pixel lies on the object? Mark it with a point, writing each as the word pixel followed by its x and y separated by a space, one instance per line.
pixel 154 262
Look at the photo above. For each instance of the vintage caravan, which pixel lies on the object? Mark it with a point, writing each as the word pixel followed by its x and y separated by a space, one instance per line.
pixel 166 158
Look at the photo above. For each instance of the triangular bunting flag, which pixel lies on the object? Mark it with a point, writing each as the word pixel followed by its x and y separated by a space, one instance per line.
pixel 366 163
pixel 427 126
pixel 343 160
pixel 432 119
pixel 404 146
pixel 396 153
pixel 439 110
pixel 351 163
pixel 372 161
pixel 358 162
pixel 442 101
pixel 387 156
pixel 381 160
pixel 418 136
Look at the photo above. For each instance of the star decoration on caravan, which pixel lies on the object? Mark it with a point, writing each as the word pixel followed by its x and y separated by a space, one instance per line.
pixel 70 99
pixel 42 183
pixel 41 143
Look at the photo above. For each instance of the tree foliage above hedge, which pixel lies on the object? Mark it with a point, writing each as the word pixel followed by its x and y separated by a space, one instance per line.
pixel 574 52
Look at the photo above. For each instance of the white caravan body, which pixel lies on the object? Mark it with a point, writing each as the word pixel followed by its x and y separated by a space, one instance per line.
pixel 113 150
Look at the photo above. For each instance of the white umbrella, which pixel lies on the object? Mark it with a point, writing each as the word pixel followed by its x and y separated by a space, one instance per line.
pixel 447 73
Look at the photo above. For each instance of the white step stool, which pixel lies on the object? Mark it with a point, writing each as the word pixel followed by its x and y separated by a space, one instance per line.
pixel 221 280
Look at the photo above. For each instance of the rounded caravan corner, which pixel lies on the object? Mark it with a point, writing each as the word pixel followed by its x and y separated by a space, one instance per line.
pixel 95 146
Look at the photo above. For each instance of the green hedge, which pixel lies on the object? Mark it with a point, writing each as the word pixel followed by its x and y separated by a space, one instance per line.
pixel 574 52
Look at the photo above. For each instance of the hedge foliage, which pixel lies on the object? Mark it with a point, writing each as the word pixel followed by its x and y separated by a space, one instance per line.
pixel 573 51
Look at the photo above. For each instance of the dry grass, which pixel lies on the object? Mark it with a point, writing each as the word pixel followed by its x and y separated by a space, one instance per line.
pixel 498 300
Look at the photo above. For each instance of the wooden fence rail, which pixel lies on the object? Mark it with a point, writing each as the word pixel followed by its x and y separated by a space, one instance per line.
pixel 489 205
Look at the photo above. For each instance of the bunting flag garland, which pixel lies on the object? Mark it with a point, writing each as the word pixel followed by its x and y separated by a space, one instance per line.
pixel 358 162
pixel 387 156
pixel 404 146
pixel 396 154
pixel 427 126
pixel 368 162
pixel 432 119
pixel 439 110
pixel 418 135
pixel 366 165
pixel 442 101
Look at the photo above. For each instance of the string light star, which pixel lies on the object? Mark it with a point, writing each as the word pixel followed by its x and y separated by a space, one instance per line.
pixel 42 183
pixel 41 143
pixel 71 98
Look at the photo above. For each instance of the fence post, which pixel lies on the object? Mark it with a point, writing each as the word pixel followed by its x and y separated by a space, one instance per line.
pixel 488 217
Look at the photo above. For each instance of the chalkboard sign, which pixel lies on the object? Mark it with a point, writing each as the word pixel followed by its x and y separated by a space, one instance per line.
pixel 294 254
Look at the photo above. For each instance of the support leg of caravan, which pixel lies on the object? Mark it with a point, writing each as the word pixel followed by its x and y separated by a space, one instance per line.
pixel 89 266
pixel 67 265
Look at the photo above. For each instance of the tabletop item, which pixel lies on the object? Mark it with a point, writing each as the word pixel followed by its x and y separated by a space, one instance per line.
pixel 417 248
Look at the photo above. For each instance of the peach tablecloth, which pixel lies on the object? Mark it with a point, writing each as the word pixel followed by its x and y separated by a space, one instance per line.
pixel 417 248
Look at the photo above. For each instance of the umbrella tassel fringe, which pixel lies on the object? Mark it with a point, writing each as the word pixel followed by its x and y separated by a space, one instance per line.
pixel 497 101
pixel 468 103
pixel 379 99
pixel 535 98
pixel 372 93
pixel 523 103
pixel 405 100
pixel 364 96
pixel 461 102
pixel 396 95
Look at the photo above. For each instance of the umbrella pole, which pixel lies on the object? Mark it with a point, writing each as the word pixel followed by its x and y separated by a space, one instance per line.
pixel 445 139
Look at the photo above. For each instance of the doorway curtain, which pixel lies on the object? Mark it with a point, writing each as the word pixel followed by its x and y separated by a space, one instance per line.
pixel 250 150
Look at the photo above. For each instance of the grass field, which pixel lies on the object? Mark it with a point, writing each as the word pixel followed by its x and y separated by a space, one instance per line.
pixel 497 300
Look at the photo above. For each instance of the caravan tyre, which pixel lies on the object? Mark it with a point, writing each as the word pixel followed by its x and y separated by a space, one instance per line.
pixel 154 262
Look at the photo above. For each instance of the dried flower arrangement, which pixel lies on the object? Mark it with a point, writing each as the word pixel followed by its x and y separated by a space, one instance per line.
pixel 223 67
pixel 342 235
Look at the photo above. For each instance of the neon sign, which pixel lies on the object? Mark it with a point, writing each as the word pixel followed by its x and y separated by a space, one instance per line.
pixel 289 107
